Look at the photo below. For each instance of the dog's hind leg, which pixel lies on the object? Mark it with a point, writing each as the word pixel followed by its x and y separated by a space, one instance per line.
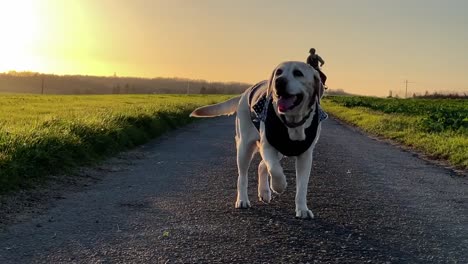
pixel 245 151
pixel 264 192
pixel 246 138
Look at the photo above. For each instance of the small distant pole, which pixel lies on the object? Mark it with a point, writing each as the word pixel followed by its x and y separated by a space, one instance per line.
pixel 42 84
pixel 406 88
pixel 188 86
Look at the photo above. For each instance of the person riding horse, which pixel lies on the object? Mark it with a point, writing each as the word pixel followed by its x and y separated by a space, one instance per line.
pixel 314 60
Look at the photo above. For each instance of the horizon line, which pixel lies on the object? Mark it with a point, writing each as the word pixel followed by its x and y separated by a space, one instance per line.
pixel 9 72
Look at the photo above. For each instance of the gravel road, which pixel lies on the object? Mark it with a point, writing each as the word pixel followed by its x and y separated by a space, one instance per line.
pixel 172 201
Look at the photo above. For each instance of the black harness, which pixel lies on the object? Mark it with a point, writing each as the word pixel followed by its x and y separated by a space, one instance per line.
pixel 277 134
pixel 276 131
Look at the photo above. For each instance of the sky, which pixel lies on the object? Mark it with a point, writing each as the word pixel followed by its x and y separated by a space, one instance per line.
pixel 369 46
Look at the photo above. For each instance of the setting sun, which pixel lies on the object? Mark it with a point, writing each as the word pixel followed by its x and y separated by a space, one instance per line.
pixel 21 26
pixel 47 36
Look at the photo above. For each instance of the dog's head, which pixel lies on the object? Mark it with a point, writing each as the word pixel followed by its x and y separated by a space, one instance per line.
pixel 295 87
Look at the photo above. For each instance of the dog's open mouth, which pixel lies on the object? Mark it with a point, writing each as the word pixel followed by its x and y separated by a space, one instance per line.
pixel 288 101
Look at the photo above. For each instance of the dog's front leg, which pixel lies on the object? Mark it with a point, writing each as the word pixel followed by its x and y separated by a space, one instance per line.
pixel 303 169
pixel 272 159
pixel 264 191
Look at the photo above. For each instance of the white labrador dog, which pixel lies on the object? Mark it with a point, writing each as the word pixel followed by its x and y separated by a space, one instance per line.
pixel 279 117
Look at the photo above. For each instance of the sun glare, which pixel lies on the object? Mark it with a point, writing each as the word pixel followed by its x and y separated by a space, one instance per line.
pixel 20 26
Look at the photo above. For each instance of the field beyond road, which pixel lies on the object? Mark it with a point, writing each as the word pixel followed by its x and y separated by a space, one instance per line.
pixel 43 135
pixel 435 127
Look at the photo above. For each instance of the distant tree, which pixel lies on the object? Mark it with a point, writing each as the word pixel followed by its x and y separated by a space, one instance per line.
pixel 203 90
pixel 133 89
pixel 116 89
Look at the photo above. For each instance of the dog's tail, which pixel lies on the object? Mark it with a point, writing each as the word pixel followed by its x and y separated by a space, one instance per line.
pixel 228 107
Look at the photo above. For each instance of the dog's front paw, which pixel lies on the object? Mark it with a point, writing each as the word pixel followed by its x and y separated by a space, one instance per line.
pixel 242 204
pixel 264 196
pixel 279 185
pixel 304 214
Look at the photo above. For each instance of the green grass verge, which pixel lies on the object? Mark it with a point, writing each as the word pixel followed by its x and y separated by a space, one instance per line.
pixel 408 128
pixel 44 135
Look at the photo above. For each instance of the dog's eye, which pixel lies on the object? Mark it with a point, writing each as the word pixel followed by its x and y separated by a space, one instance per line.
pixel 279 72
pixel 298 73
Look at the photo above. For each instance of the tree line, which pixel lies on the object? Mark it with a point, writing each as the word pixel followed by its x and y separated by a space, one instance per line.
pixel 37 83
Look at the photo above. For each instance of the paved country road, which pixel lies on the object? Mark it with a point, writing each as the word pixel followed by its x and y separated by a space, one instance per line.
pixel 172 201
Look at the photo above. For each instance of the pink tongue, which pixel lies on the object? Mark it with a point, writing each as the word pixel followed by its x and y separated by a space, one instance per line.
pixel 285 103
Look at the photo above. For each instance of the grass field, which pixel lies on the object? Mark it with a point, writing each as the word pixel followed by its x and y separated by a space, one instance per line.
pixel 437 127
pixel 43 135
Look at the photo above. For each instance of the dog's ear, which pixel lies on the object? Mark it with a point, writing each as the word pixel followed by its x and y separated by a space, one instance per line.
pixel 270 83
pixel 318 88
pixel 321 90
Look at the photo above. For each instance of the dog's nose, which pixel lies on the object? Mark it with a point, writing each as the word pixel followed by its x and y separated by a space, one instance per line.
pixel 280 84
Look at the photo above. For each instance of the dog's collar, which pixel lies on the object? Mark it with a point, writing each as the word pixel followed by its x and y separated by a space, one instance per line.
pixel 295 124
pixel 300 123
